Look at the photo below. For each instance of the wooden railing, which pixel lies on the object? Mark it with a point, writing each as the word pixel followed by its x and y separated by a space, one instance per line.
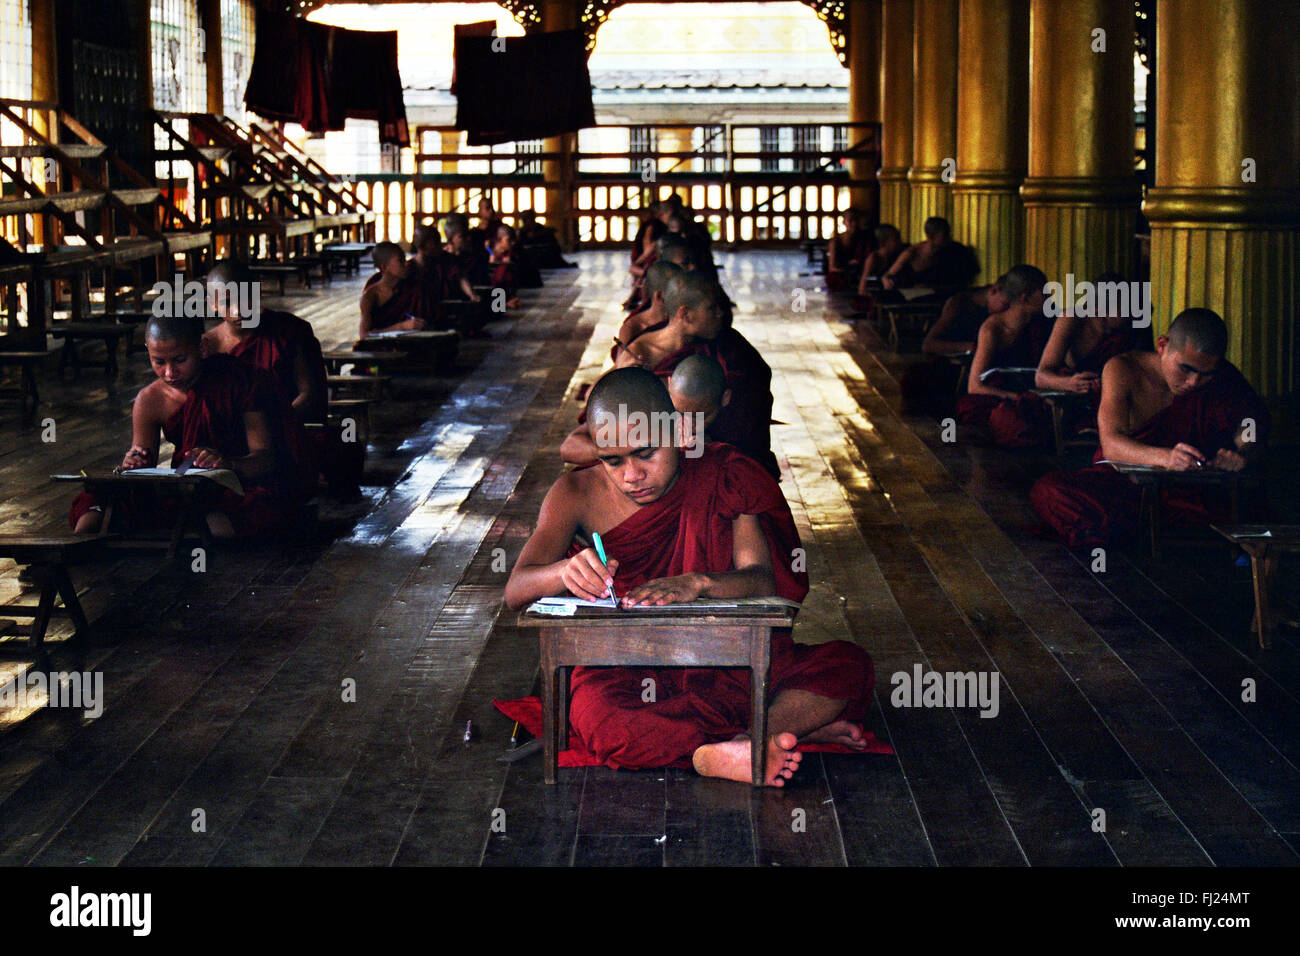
pixel 596 197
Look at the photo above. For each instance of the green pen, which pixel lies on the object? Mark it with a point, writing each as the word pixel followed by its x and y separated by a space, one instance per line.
pixel 600 551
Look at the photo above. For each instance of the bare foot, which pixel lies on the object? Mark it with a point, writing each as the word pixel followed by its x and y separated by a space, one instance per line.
pixel 731 760
pixel 838 732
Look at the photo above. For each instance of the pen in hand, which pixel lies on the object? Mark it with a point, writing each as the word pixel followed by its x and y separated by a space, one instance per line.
pixel 600 550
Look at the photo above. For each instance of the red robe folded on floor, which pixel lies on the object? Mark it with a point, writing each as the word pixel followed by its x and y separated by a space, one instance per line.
pixel 213 417
pixel 1097 505
pixel 690 529
pixel 1023 421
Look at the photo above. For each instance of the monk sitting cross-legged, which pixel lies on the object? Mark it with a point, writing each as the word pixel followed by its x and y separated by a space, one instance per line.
pixel 1181 407
pixel 1014 338
pixel 652 314
pixel 677 528
pixel 218 412
pixel 397 300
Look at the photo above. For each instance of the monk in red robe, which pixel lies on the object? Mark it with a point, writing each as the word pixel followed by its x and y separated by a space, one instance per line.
pixel 939 262
pixel 675 529
pixel 932 386
pixel 285 346
pixel 395 301
pixel 1014 338
pixel 847 251
pixel 1079 348
pixel 1181 407
pixel 218 412
pixel 697 325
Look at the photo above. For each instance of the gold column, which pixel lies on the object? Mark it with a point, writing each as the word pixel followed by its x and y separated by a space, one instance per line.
pixel 45 85
pixel 210 20
pixel 1225 208
pixel 934 133
pixel 992 131
pixel 1081 193
pixel 557 173
pixel 864 96
pixel 895 111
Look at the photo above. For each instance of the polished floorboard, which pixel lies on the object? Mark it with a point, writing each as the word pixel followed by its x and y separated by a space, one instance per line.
pixel 1122 736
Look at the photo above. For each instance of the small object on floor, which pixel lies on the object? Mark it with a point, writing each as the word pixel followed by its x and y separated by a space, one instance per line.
pixel 469 731
pixel 514 735
pixel 533 746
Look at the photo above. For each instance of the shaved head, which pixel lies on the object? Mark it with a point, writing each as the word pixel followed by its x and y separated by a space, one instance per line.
pixel 1202 330
pixel 625 391
pixel 230 270
pixel 659 275
pixel 174 328
pixel 690 290
pixel 675 251
pixel 386 252
pixel 700 380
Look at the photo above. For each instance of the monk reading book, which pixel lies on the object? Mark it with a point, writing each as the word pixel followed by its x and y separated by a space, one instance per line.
pixel 1014 338
pixel 932 386
pixel 939 262
pixel 676 529
pixel 396 301
pixel 218 412
pixel 1181 407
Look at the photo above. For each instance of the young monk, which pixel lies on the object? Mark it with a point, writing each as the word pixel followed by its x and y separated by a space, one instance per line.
pixel 676 529
pixel 276 342
pixel 396 301
pixel 1080 347
pixel 218 412
pixel 542 243
pixel 932 386
pixel 1181 407
pixel 505 274
pixel 938 263
pixel 697 324
pixel 698 390
pixel 889 246
pixel 1014 338
pixel 653 314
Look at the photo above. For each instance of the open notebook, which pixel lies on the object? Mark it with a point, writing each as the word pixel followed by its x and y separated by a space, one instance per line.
pixel 568 606
pixel 222 476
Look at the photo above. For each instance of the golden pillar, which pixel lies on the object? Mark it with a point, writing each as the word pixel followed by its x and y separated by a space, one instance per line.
pixel 934 130
pixel 896 21
pixel 1081 194
pixel 558 171
pixel 864 98
pixel 45 86
pixel 992 131
pixel 210 21
pixel 1225 208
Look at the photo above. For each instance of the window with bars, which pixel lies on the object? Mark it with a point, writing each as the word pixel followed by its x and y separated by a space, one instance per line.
pixel 807 139
pixel 15 49
pixel 238 25
pixel 178 45
pixel 710 142
pixel 769 144
pixel 523 165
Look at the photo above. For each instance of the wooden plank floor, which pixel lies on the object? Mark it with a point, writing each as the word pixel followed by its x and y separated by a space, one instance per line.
pixel 1120 691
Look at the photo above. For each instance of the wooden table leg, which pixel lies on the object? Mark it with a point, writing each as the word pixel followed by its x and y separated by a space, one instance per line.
pixel 41 620
pixel 760 640
pixel 70 601
pixel 1259 578
pixel 549 724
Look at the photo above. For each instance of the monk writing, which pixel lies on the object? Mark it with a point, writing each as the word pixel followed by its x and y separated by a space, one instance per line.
pixel 395 301
pixel 938 263
pixel 1014 338
pixel 932 386
pixel 676 529
pixel 1181 407
pixel 652 314
pixel 218 412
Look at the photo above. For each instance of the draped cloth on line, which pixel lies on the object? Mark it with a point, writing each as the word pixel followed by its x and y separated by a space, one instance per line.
pixel 690 529
pixel 1096 505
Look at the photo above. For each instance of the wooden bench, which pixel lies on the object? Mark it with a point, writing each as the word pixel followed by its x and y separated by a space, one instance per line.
pixel 917 316
pixel 359 386
pixel 663 637
pixel 48 558
pixel 340 408
pixel 26 394
pixel 1265 544
pixel 346 256
pixel 1060 404
pixel 110 333
pixel 336 360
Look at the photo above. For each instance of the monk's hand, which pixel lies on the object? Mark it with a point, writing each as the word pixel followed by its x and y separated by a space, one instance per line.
pixel 587 577
pixel 137 457
pixel 887 281
pixel 1183 457
pixel 414 323
pixel 1084 382
pixel 1228 460
pixel 676 590
pixel 207 458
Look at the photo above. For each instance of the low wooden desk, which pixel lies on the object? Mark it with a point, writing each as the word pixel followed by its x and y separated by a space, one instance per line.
pixel 48 557
pixel 110 333
pixel 111 487
pixel 1264 551
pixel 680 637
pixel 336 360
pixel 1059 402
pixel 922 313
pixel 26 394
pixel 1152 480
